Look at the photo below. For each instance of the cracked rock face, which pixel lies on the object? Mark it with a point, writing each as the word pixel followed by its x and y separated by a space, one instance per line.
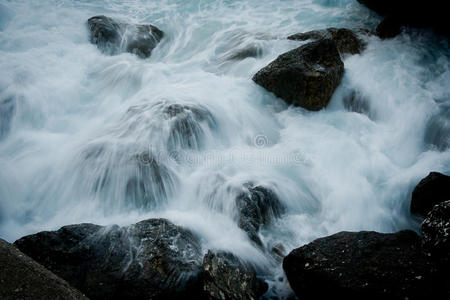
pixel 153 259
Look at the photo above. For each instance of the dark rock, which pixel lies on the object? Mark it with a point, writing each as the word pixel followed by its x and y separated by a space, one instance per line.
pixel 430 191
pixel 112 37
pixel 362 265
pixel 7 108
pixel 346 40
pixel 23 278
pixel 257 206
pixel 413 13
pixel 388 28
pixel 153 259
pixel 224 276
pixel 306 76
pixel 436 232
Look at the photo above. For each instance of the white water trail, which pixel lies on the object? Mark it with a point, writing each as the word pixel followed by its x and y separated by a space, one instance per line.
pixel 86 130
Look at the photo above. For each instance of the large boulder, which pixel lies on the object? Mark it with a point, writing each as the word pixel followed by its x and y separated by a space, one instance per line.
pixel 112 37
pixel 362 265
pixel 257 206
pixel 430 191
pixel 436 233
pixel 412 13
pixel 224 276
pixel 153 259
pixel 306 76
pixel 346 40
pixel 23 278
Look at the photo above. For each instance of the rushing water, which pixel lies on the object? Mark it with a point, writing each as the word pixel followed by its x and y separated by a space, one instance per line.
pixel 81 132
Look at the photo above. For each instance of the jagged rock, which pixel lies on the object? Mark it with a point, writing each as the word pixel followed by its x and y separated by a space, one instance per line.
pixel 224 276
pixel 430 191
pixel 23 278
pixel 436 232
pixel 306 76
pixel 346 40
pixel 257 206
pixel 363 265
pixel 153 259
pixel 112 37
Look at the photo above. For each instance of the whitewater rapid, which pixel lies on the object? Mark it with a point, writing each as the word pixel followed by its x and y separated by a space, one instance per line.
pixel 79 121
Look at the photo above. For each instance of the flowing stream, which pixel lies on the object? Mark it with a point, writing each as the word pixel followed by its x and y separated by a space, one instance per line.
pixel 86 137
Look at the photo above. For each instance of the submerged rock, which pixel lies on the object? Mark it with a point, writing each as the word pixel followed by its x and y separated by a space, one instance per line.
pixel 224 276
pixel 346 40
pixel 436 233
pixel 437 132
pixel 23 278
pixel 362 265
pixel 430 191
pixel 356 102
pixel 306 76
pixel 153 259
pixel 257 207
pixel 112 37
pixel 7 108
pixel 180 125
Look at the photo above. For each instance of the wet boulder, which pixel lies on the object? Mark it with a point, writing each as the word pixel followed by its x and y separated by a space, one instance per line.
pixel 153 259
pixel 362 265
pixel 23 278
pixel 346 40
pixel 112 37
pixel 306 76
pixel 436 233
pixel 224 276
pixel 430 191
pixel 257 206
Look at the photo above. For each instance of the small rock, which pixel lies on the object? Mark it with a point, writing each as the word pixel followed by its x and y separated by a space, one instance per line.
pixel 257 207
